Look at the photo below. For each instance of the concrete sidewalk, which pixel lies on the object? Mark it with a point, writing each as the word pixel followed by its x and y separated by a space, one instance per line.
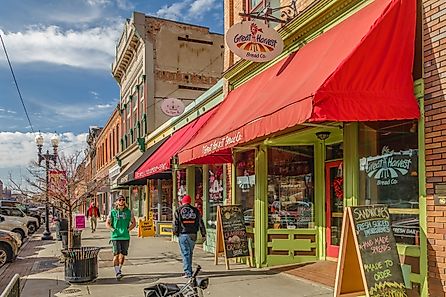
pixel 157 259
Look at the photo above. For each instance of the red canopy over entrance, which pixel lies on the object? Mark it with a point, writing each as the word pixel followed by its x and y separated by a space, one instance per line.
pixel 160 160
pixel 360 70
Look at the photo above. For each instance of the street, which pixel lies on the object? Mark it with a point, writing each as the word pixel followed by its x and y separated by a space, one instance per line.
pixel 150 260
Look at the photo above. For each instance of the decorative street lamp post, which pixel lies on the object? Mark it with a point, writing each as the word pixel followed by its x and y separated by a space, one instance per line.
pixel 47 157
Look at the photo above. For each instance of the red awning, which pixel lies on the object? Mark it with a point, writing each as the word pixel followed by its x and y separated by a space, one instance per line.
pixel 160 160
pixel 360 70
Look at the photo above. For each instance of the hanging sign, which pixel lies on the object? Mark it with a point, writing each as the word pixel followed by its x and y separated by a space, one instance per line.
pixel 172 107
pixel 369 263
pixel 254 41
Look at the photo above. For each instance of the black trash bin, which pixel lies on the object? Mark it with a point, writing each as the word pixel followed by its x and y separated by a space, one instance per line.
pixel 76 239
pixel 81 264
pixel 61 225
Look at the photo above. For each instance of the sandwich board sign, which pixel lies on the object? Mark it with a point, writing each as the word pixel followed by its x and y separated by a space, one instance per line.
pixel 368 260
pixel 232 240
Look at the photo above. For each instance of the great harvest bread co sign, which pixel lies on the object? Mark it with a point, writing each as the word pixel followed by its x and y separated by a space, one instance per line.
pixel 254 41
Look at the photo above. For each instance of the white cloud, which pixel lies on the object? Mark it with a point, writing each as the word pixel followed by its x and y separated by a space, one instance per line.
pixel 102 106
pixel 92 48
pixel 78 111
pixel 125 5
pixel 97 2
pixel 19 149
pixel 174 11
pixel 199 7
pixel 188 10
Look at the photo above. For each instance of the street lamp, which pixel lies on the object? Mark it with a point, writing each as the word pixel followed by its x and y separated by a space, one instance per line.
pixel 47 157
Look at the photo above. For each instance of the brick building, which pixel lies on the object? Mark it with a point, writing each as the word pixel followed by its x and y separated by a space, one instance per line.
pixel 434 61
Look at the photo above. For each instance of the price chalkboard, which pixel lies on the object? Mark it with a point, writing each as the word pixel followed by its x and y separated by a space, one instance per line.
pixel 369 251
pixel 231 233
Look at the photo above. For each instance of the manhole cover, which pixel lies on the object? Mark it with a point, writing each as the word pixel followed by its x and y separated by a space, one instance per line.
pixel 71 291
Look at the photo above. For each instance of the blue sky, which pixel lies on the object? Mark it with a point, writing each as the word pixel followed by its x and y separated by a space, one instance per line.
pixel 61 52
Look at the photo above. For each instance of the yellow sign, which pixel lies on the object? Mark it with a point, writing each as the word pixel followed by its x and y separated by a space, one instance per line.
pixel 165 229
pixel 146 228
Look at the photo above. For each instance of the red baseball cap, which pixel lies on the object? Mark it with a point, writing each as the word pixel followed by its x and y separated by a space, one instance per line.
pixel 186 199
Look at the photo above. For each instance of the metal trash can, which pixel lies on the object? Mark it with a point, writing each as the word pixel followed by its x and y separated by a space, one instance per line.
pixel 61 225
pixel 76 239
pixel 81 264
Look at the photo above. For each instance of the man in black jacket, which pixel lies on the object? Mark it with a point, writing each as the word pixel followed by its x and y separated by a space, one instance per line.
pixel 186 224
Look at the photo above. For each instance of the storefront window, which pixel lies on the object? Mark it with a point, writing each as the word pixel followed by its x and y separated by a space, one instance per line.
pixel 161 199
pixel 166 200
pixel 135 202
pixel 216 191
pixel 389 173
pixel 246 180
pixel 291 187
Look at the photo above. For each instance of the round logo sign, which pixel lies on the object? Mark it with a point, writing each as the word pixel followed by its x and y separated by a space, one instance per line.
pixel 254 41
pixel 172 107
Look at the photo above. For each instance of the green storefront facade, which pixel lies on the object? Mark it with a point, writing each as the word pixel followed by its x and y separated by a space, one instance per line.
pixel 293 185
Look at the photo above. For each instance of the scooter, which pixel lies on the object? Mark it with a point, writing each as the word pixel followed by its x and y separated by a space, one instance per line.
pixel 193 288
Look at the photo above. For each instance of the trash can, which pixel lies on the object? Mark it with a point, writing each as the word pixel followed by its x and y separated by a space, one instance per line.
pixel 81 264
pixel 61 225
pixel 76 239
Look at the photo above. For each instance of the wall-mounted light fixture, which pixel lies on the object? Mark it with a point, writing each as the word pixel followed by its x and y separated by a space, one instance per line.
pixel 323 135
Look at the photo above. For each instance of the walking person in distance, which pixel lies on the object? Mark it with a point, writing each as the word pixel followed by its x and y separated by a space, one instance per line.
pixel 187 223
pixel 93 214
pixel 120 221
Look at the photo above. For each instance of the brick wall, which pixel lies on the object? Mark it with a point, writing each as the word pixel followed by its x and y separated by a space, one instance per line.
pixel 434 35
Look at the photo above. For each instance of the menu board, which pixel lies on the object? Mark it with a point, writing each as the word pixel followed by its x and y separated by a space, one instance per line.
pixel 232 230
pixel 368 249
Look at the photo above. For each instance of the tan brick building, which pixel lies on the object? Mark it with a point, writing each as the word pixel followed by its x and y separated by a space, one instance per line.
pixel 158 59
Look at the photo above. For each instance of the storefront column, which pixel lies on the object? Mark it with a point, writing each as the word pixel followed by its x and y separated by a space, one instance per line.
pixel 319 196
pixel 424 290
pixel 205 193
pixel 174 191
pixel 261 207
pixel 190 182
pixel 146 201
pixel 158 203
pixel 351 164
pixel 233 182
pixel 130 198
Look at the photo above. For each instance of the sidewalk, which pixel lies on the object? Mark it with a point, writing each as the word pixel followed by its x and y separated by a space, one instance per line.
pixel 151 260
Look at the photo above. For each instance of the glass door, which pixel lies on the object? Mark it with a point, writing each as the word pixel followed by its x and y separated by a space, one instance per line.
pixel 334 195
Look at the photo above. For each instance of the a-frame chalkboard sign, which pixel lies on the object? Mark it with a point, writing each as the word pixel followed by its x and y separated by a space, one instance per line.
pixel 368 260
pixel 231 238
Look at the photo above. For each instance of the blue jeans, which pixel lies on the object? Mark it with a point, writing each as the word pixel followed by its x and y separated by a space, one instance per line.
pixel 187 249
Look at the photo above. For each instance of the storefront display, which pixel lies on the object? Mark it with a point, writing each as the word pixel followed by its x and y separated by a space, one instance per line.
pixel 291 187
pixel 198 201
pixel 389 173
pixel 181 184
pixel 215 193
pixel 245 189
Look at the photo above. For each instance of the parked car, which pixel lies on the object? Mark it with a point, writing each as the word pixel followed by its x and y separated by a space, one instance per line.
pixel 12 224
pixel 9 247
pixel 30 222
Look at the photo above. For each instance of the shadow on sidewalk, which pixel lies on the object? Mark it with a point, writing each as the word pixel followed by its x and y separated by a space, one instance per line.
pixel 43 287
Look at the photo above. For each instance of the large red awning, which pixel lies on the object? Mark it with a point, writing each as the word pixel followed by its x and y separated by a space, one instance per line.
pixel 160 160
pixel 360 70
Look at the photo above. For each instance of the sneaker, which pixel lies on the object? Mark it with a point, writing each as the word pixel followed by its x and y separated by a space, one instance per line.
pixel 119 275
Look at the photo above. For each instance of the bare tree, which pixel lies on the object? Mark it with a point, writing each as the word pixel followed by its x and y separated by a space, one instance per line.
pixel 67 188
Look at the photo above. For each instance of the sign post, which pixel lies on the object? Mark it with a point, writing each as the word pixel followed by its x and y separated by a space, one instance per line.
pixel 368 260
pixel 232 240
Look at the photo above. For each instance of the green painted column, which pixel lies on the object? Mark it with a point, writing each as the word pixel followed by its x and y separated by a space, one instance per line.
pixel 190 182
pixel 351 164
pixel 233 183
pixel 261 207
pixel 319 196
pixel 174 190
pixel 205 193
pixel 419 91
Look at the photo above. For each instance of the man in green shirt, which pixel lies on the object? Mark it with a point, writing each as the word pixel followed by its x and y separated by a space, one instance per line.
pixel 120 221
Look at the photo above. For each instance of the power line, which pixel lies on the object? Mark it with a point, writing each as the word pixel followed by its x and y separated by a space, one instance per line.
pixel 16 84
